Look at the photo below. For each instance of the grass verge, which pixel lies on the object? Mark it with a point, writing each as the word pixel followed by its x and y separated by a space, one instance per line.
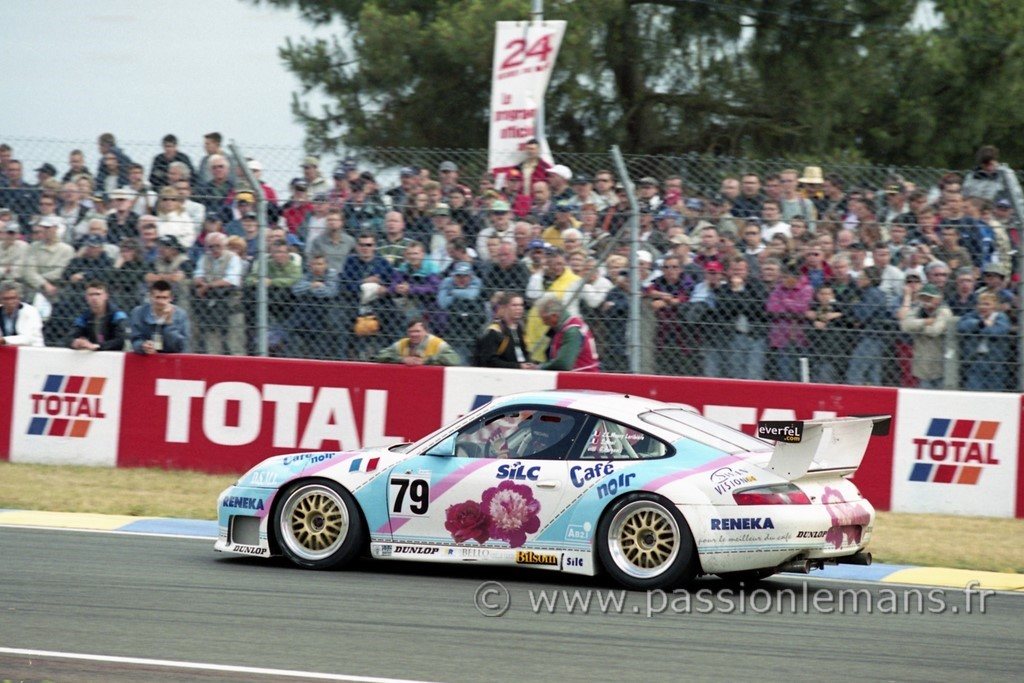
pixel 928 540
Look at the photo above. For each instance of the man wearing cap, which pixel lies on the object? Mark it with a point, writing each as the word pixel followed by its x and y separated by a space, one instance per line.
pixel 20 323
pixel 400 198
pixel 311 174
pixel 460 298
pixel 499 225
pixel 564 220
pixel 12 248
pixel 102 326
pixel 298 207
pixel 994 277
pixel 558 178
pixel 583 193
pixel 926 320
pixel 647 193
pixel 360 210
pixel 45 260
pixel 171 266
pixel 449 173
pixel 171 153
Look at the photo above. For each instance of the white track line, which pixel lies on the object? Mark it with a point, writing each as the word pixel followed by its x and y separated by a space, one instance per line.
pixel 119 532
pixel 166 663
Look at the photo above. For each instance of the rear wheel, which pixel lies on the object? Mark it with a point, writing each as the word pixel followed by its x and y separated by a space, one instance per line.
pixel 644 542
pixel 319 525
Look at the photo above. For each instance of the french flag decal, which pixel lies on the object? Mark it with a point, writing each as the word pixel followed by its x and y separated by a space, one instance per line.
pixel 363 465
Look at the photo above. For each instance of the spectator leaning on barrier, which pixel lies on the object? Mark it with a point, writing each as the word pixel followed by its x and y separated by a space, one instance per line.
pixel 101 327
pixel 217 298
pixel 926 321
pixel 987 350
pixel 572 346
pixel 419 348
pixel 159 326
pixel 20 323
pixel 503 342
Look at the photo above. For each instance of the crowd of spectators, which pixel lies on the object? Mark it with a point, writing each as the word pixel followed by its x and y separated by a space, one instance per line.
pixel 790 275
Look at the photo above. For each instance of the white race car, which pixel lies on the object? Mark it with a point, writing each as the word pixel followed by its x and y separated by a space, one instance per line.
pixel 652 493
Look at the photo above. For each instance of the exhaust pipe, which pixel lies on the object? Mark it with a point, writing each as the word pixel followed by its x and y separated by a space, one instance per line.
pixel 862 558
pixel 796 566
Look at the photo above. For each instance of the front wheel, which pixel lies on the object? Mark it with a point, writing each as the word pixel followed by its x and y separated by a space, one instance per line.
pixel 644 543
pixel 319 525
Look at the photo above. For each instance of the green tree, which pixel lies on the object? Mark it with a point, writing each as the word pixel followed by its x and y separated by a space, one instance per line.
pixel 747 77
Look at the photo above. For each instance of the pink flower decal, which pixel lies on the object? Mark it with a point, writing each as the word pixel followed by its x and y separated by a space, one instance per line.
pixel 513 512
pixel 848 519
pixel 467 522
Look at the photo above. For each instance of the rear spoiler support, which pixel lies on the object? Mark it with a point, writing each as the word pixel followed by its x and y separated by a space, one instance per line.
pixel 835 446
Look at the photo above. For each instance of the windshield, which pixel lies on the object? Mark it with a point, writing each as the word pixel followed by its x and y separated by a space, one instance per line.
pixel 698 428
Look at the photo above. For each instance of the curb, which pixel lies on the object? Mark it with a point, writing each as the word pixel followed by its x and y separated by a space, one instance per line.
pixel 193 528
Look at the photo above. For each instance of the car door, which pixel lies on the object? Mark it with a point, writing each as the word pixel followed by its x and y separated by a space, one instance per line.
pixel 498 481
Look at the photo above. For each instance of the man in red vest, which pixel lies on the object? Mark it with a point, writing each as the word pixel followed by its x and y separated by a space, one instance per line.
pixel 572 343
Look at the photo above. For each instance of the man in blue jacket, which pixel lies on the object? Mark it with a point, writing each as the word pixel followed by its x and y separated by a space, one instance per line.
pixel 159 326
pixel 102 326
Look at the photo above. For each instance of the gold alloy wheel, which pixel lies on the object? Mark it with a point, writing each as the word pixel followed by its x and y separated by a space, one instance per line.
pixel 644 539
pixel 314 522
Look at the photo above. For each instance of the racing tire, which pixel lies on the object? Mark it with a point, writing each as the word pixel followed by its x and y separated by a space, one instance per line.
pixel 318 525
pixel 644 543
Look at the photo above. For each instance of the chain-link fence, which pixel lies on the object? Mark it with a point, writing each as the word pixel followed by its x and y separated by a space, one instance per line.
pixel 758 269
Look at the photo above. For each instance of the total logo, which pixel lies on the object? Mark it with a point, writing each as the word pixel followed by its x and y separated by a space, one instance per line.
pixel 306 417
pixel 67 406
pixel 955 451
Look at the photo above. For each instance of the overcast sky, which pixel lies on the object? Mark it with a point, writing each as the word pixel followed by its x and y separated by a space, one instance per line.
pixel 141 69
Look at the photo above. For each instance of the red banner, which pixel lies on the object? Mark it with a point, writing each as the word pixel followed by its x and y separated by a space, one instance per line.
pixel 225 414
pixel 8 363
pixel 741 404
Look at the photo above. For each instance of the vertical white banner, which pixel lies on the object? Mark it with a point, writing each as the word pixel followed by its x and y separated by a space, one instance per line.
pixel 524 57
pixel 956 453
pixel 67 407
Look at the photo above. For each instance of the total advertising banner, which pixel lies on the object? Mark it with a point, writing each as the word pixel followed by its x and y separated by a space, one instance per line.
pixel 956 456
pixel 67 407
pixel 219 414
pixel 524 57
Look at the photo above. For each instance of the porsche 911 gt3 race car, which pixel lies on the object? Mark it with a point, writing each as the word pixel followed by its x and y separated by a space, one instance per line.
pixel 652 493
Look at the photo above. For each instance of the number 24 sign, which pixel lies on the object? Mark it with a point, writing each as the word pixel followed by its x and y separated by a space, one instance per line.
pixel 517 51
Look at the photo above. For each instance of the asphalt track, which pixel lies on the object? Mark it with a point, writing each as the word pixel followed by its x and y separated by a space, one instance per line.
pixel 175 599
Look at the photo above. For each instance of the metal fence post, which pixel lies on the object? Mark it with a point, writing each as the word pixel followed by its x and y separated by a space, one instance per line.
pixel 634 263
pixel 261 249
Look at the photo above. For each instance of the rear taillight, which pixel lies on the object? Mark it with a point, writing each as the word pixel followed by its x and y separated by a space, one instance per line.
pixel 780 494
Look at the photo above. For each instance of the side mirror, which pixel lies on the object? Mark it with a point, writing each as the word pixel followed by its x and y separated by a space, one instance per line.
pixel 444 449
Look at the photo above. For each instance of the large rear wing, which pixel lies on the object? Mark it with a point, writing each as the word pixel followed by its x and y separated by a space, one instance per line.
pixel 833 446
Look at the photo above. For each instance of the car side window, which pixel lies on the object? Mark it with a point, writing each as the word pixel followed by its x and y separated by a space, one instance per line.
pixel 522 433
pixel 612 441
